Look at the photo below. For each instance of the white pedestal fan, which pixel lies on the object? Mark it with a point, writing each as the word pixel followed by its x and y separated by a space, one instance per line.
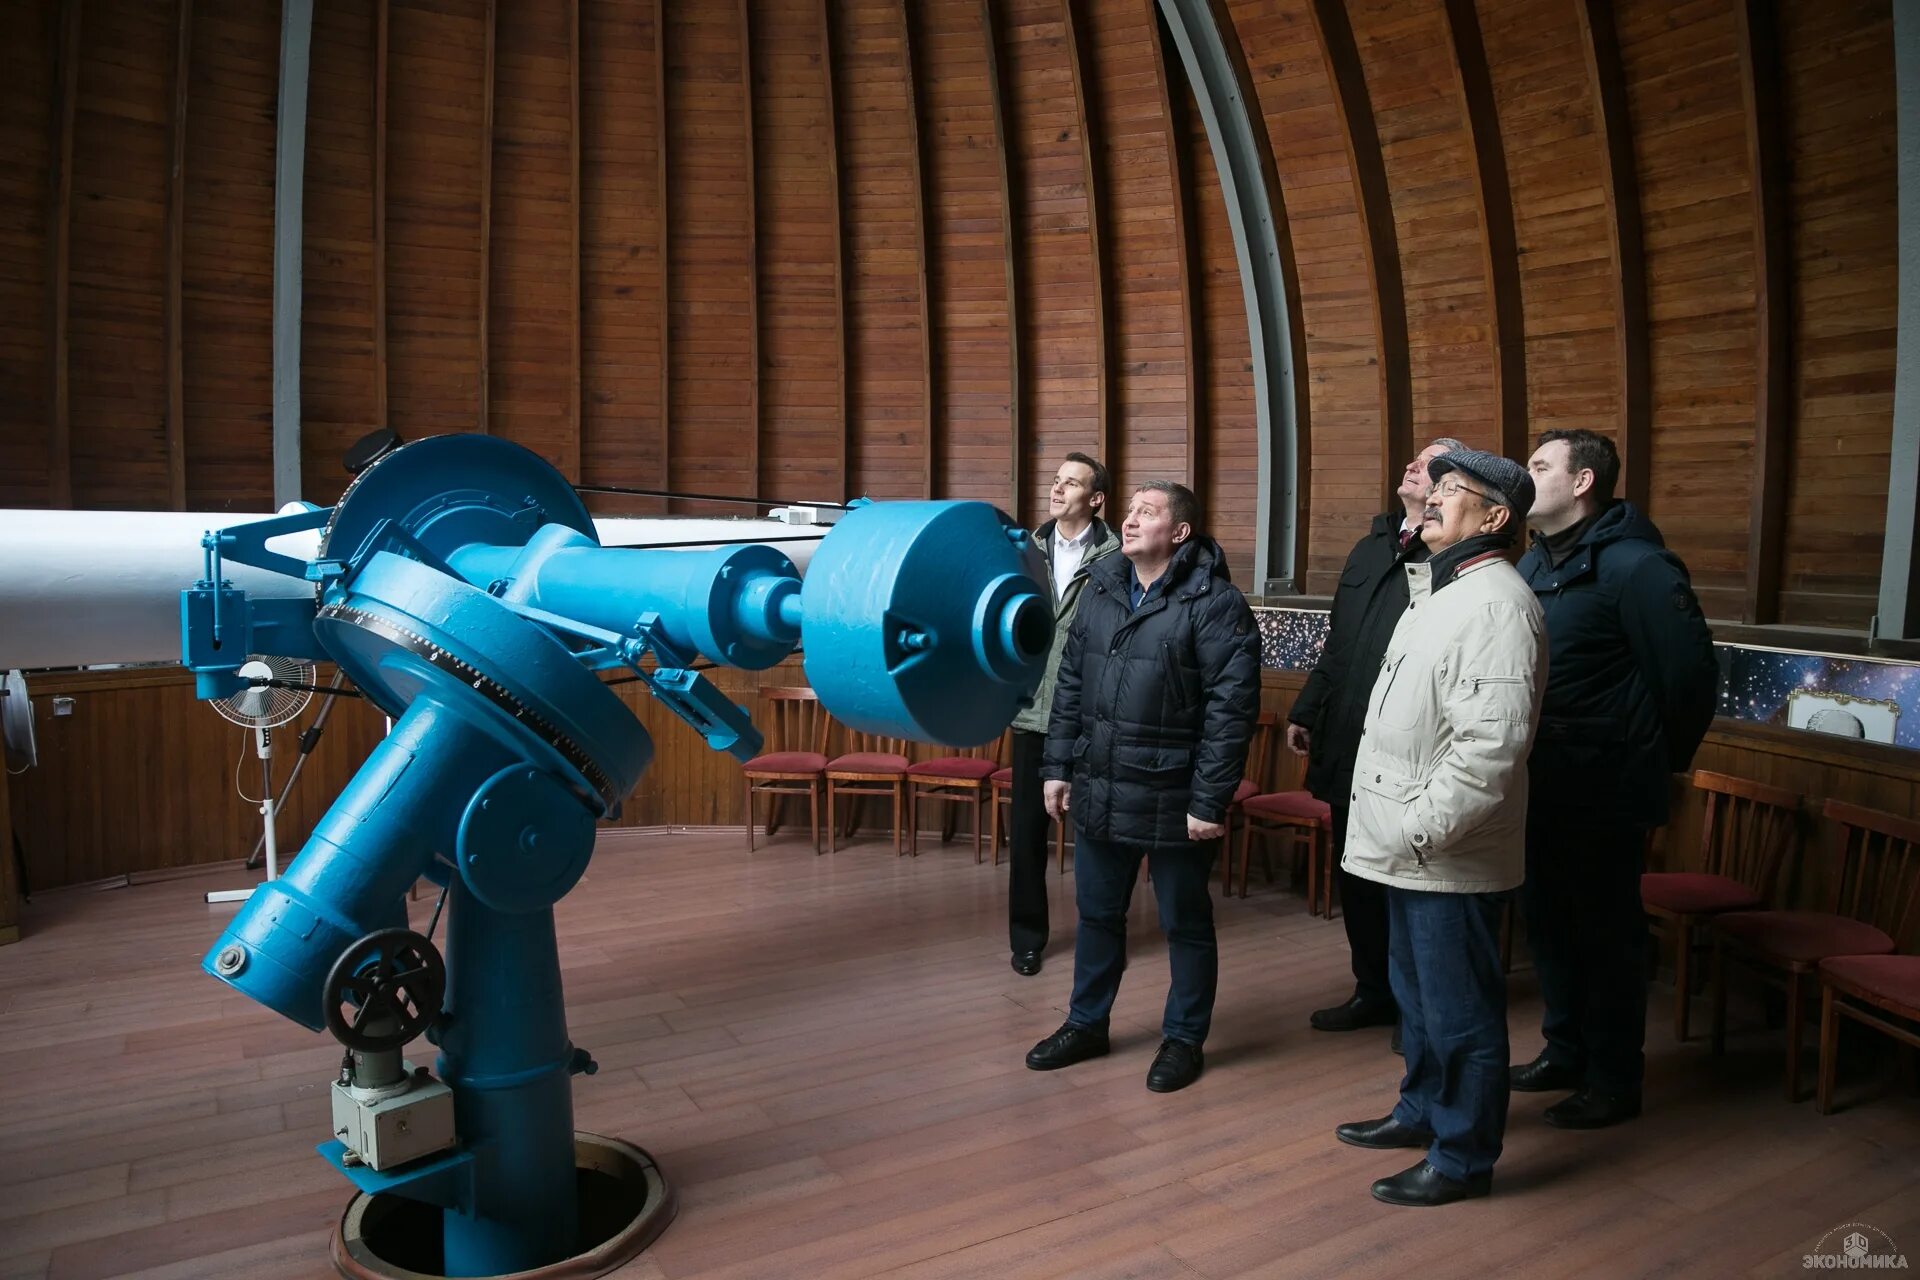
pixel 280 691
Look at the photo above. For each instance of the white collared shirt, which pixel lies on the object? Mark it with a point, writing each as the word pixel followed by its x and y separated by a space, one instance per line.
pixel 1068 553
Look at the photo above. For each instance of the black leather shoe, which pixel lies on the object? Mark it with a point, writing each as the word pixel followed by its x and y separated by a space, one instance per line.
pixel 1353 1015
pixel 1541 1076
pixel 1591 1109
pixel 1177 1065
pixel 1068 1045
pixel 1425 1186
pixel 1026 963
pixel 1383 1134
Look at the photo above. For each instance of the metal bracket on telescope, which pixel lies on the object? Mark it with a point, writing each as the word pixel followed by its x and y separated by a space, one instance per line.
pixel 687 693
pixel 221 626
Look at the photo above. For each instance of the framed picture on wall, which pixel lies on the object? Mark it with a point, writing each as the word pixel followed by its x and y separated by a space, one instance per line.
pixel 1843 715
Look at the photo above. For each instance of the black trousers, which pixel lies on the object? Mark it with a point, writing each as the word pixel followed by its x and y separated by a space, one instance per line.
pixel 1027 830
pixel 1588 931
pixel 1104 874
pixel 1363 909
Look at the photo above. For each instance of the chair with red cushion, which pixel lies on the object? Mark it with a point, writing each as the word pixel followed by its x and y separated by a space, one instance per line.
pixel 954 780
pixel 1869 891
pixel 1745 838
pixel 797 763
pixel 1306 824
pixel 875 766
pixel 1879 991
pixel 1253 781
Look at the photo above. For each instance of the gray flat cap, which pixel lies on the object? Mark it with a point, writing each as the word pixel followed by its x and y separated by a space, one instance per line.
pixel 1504 480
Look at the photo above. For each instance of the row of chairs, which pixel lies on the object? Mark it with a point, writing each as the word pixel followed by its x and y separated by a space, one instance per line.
pixel 1855 948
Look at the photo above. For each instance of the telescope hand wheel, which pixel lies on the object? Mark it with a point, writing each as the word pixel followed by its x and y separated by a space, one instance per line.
pixel 390 983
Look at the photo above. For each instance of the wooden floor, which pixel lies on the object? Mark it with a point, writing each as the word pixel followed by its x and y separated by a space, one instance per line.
pixel 825 1055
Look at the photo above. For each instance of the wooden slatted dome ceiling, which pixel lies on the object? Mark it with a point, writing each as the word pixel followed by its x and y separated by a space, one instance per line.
pixel 824 247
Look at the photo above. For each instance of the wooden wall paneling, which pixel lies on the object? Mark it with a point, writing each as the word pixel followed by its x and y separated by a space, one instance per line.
pixel 967 251
pixel 576 303
pixel 1761 89
pixel 1380 246
pixel 843 411
pixel 1166 72
pixel 1060 381
pixel 66 94
pixel 341 300
pixel 887 389
pixel 176 251
pixel 9 876
pixel 228 260
pixel 933 476
pixel 111 269
pixel 1682 74
pixel 532 235
pixel 1229 488
pixel 1500 249
pixel 1139 224
pixel 801 424
pixel 483 334
pixel 436 96
pixel 663 186
pixel 1555 147
pixel 1296 72
pixel 1427 148
pixel 623 321
pixel 1010 226
pixel 1087 113
pixel 710 266
pixel 30 38
pixel 1841 142
pixel 1601 43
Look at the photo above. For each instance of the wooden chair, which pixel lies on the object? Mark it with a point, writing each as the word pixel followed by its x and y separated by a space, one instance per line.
pixel 1253 781
pixel 797 763
pixel 954 780
pixel 1003 795
pixel 1745 838
pixel 1307 826
pixel 1879 991
pixel 876 766
pixel 1871 891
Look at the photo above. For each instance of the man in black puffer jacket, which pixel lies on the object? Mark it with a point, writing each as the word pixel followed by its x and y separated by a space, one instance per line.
pixel 1631 687
pixel 1157 695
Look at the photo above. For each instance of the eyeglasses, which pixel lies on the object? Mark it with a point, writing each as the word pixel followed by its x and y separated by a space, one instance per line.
pixel 1450 486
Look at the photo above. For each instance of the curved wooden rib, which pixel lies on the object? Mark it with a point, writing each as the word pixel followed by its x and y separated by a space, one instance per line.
pixel 579 446
pixel 930 478
pixel 176 255
pixel 663 477
pixel 839 251
pixel 1102 312
pixel 1180 171
pixel 486 215
pixel 753 260
pixel 1380 238
pixel 66 93
pixel 1621 184
pixel 1016 420
pixel 1498 245
pixel 382 34
pixel 1766 156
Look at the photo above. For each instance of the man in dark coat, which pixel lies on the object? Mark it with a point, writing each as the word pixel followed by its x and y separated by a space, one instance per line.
pixel 1631 687
pixel 1155 703
pixel 1328 716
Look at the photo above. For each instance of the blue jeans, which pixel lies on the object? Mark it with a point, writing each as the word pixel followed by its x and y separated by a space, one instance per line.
pixel 1444 963
pixel 1103 877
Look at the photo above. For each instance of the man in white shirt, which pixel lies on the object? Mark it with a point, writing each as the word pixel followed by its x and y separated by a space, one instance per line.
pixel 1072 541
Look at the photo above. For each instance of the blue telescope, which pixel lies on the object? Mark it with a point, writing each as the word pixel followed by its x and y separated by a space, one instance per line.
pixel 461 586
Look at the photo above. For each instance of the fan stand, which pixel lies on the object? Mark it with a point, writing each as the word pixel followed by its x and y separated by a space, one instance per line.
pixel 263 741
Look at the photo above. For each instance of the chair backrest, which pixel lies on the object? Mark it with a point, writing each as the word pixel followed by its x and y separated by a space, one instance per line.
pixel 798 721
pixel 858 741
pixel 1876 868
pixel 1749 830
pixel 996 750
pixel 1260 750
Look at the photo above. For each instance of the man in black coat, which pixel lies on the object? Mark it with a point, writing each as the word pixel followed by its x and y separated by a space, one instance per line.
pixel 1631 687
pixel 1155 703
pixel 1328 716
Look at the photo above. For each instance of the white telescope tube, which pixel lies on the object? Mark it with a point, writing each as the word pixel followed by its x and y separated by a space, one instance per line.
pixel 86 588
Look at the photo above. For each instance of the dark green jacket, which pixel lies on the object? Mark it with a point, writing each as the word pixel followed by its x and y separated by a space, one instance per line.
pixel 1105 542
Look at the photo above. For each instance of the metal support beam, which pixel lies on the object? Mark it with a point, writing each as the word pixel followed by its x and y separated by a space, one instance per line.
pixel 1899 612
pixel 1207 50
pixel 289 193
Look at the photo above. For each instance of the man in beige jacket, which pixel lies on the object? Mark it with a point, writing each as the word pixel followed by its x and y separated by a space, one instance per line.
pixel 1439 816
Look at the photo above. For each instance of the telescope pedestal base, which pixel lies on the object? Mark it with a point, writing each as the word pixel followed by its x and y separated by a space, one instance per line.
pixel 625 1203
